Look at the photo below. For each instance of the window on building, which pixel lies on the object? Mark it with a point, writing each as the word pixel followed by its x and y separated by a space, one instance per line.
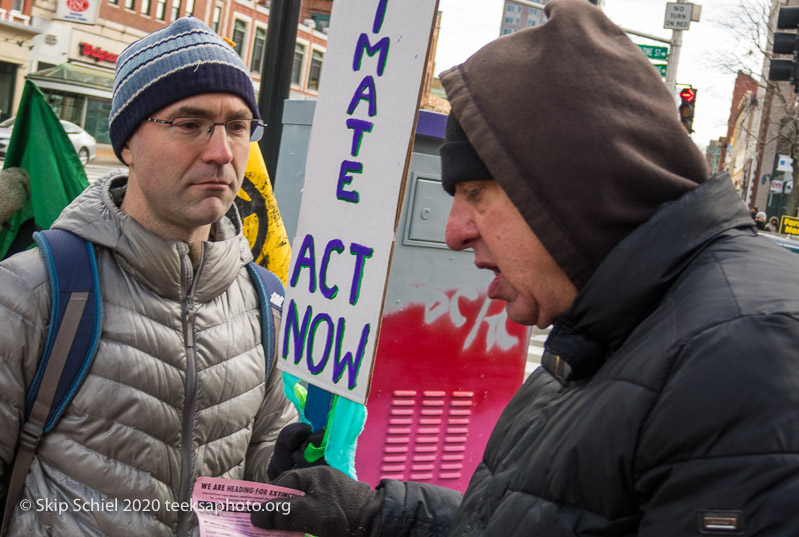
pixel 322 21
pixel 316 70
pixel 217 18
pixel 130 4
pixel 8 74
pixel 160 10
pixel 114 2
pixel 531 22
pixel 296 68
pixel 239 35
pixel 258 49
pixel 17 5
pixel 175 9
pixel 509 8
pixel 189 7
pixel 145 7
pixel 97 119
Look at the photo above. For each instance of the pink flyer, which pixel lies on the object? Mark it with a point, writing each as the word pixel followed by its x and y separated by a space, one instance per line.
pixel 223 506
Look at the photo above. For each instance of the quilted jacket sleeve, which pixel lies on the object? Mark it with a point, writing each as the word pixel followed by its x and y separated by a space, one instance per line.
pixel 24 313
pixel 417 509
pixel 722 443
pixel 276 412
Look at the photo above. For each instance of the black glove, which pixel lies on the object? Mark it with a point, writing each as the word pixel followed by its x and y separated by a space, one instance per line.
pixel 290 449
pixel 333 506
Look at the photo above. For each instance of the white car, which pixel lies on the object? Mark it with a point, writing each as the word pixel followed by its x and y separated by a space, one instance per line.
pixel 85 144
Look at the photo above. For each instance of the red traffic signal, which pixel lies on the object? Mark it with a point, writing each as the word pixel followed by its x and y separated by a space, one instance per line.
pixel 688 95
pixel 686 108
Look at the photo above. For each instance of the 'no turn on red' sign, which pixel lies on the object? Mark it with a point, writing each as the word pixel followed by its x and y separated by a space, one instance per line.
pixel 678 16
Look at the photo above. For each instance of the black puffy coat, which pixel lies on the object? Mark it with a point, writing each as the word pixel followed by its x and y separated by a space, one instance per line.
pixel 668 403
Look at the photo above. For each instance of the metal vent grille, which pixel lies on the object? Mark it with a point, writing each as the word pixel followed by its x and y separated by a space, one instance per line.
pixel 426 435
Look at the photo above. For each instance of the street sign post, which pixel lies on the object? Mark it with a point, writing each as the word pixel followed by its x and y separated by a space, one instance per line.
pixel 678 16
pixel 784 163
pixel 655 52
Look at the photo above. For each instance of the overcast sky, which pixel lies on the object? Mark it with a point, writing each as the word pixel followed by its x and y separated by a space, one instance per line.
pixel 467 25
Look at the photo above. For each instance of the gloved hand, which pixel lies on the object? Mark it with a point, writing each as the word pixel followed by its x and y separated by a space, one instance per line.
pixel 290 449
pixel 15 190
pixel 334 505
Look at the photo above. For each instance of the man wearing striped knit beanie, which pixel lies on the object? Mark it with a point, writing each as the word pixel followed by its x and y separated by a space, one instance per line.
pixel 180 386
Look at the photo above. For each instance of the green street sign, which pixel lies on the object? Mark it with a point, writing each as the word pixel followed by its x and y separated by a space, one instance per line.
pixel 655 53
pixel 660 67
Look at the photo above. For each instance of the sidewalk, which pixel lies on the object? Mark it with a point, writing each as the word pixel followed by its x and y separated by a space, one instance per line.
pixel 104 154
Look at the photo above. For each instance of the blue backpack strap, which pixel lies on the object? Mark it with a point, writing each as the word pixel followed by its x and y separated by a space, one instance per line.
pixel 72 268
pixel 271 294
pixel 72 339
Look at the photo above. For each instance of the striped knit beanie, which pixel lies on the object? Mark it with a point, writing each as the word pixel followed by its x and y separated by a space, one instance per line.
pixel 181 60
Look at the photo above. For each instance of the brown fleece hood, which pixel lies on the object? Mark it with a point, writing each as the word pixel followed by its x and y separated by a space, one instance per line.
pixel 579 130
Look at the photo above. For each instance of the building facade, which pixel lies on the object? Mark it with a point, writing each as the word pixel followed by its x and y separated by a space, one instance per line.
pixel 762 131
pixel 716 154
pixel 516 17
pixel 16 41
pixel 73 62
pixel 743 137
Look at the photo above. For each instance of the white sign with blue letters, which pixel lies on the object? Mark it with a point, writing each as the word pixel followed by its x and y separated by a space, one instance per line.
pixel 357 155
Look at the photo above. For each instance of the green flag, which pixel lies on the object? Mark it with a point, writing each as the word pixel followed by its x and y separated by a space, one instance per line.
pixel 40 146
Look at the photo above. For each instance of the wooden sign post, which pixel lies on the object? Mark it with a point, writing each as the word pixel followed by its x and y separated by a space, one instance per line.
pixel 357 157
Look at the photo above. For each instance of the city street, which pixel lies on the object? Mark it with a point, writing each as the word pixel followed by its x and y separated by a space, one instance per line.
pixel 535 349
pixel 103 162
pixel 96 169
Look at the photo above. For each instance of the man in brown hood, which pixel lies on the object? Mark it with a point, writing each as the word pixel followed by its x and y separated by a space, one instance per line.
pixel 667 399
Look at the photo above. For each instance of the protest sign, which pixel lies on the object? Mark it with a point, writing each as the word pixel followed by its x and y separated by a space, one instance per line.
pixel 356 165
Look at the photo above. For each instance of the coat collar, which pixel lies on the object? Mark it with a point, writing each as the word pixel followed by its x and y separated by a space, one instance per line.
pixel 634 277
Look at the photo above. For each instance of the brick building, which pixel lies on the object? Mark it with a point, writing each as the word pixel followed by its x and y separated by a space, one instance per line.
pixel 16 39
pixel 73 62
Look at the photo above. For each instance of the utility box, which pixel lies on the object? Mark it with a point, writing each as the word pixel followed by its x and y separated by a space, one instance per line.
pixel 448 359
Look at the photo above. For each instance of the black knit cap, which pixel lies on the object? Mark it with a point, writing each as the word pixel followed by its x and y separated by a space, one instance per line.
pixel 459 160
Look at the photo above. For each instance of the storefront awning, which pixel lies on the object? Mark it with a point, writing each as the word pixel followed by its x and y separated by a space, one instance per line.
pixel 75 78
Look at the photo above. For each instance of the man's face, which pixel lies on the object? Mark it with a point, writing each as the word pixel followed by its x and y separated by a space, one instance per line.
pixel 483 218
pixel 178 188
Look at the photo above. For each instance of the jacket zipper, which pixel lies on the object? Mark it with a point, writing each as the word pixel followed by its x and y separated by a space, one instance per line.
pixel 186 452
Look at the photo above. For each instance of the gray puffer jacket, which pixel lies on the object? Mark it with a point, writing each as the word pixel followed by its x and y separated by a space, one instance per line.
pixel 177 389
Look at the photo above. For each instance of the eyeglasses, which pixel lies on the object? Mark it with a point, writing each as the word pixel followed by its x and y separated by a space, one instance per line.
pixel 193 129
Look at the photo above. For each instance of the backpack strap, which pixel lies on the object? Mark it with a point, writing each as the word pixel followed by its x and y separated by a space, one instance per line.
pixel 271 294
pixel 72 340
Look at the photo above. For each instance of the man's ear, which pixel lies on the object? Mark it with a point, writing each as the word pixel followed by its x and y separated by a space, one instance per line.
pixel 127 156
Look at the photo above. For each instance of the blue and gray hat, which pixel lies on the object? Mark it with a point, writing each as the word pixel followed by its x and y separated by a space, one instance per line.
pixel 181 60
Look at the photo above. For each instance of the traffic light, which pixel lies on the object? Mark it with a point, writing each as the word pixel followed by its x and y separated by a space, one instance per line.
pixel 686 109
pixel 786 43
